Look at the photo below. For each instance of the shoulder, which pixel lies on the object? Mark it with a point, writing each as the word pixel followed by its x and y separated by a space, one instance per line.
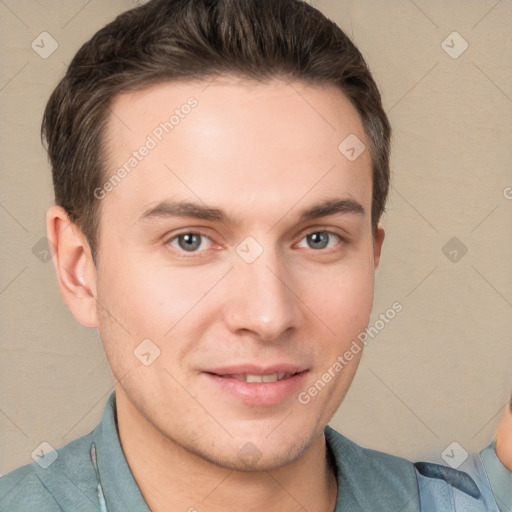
pixel 380 481
pixel 373 480
pixel 21 490
pixel 65 475
pixel 348 451
pixel 465 488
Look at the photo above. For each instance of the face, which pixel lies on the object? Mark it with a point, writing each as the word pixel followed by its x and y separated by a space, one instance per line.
pixel 239 245
pixel 504 438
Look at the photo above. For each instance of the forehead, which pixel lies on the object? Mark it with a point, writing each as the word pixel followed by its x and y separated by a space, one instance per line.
pixel 240 143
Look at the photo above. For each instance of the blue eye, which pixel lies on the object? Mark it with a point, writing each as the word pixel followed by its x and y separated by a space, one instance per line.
pixel 196 242
pixel 320 240
pixel 189 242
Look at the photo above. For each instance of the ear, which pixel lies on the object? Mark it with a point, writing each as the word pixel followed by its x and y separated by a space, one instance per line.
pixel 76 272
pixel 378 240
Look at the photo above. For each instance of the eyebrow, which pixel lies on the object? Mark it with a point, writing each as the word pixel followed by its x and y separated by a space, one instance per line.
pixel 168 208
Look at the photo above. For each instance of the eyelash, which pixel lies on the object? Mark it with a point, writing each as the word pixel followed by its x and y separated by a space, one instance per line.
pixel 187 254
pixel 332 233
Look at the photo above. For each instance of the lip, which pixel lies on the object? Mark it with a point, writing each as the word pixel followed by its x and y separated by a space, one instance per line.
pixel 257 393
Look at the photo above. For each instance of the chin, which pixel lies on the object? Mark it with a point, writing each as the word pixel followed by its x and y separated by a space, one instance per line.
pixel 250 457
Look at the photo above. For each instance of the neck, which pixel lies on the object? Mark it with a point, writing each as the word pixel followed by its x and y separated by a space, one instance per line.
pixel 173 478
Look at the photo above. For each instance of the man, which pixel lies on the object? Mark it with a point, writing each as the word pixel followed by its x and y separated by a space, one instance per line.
pixel 493 465
pixel 497 460
pixel 220 169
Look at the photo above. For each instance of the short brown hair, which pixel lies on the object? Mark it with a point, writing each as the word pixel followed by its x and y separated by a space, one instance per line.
pixel 170 40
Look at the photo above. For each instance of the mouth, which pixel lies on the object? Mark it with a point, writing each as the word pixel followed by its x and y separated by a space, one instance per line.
pixel 254 385
pixel 272 377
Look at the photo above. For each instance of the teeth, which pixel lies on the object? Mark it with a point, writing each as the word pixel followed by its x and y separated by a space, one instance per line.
pixel 255 378
pixel 274 377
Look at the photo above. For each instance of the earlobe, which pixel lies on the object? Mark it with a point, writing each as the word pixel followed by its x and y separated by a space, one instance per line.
pixel 76 273
pixel 378 240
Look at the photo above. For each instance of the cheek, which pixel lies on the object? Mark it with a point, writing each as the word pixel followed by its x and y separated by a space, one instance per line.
pixel 343 299
pixel 150 298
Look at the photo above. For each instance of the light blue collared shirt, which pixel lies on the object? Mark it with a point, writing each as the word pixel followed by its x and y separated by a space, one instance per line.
pixel 91 474
pixel 499 477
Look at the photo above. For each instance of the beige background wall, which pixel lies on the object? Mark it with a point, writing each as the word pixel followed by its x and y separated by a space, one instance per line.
pixel 440 370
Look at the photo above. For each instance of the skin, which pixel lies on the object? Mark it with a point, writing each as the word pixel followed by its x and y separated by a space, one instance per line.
pixel 262 153
pixel 504 439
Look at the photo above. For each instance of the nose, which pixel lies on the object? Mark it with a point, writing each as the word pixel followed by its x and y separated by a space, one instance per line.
pixel 261 300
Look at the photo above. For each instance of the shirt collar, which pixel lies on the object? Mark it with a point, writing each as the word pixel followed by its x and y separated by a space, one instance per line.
pixel 119 487
pixel 371 480
pixel 364 477
pixel 499 477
